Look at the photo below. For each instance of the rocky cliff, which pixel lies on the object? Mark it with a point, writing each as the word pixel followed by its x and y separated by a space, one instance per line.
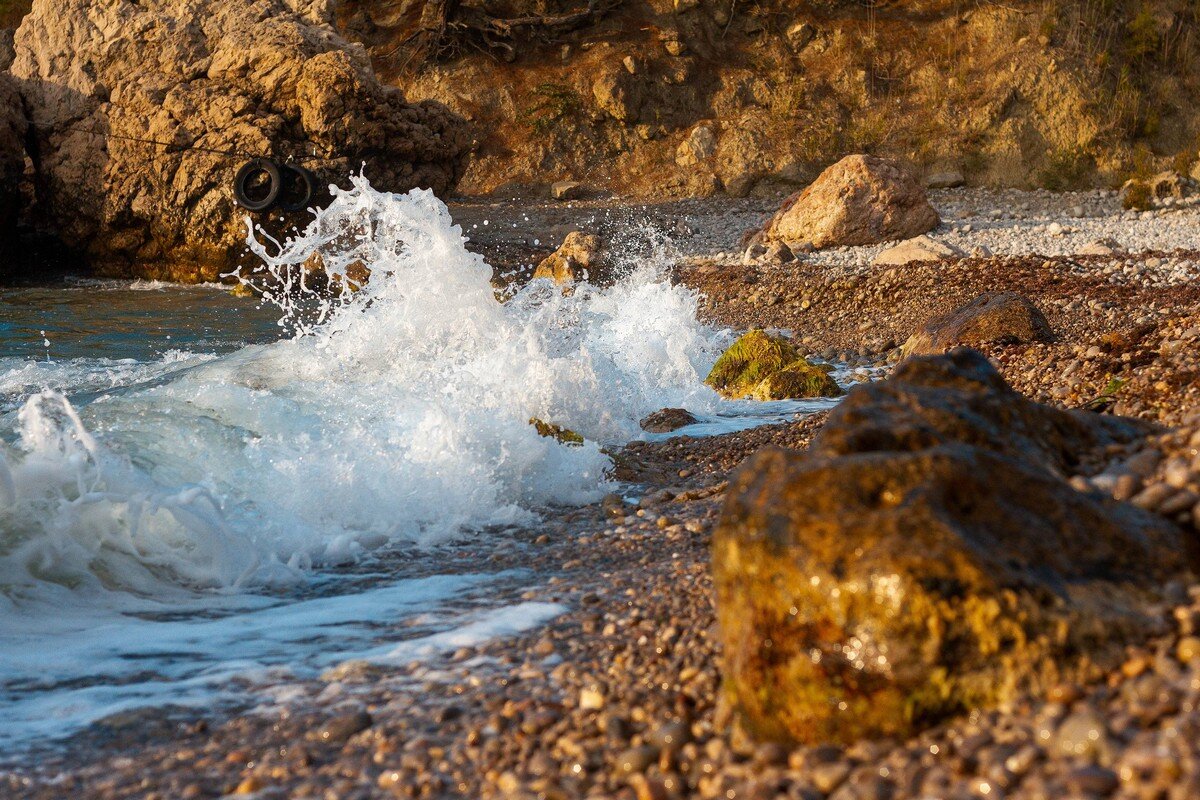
pixel 662 98
pixel 684 97
pixel 134 106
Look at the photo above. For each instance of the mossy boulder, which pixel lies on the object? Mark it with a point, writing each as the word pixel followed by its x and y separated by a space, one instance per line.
pixel 927 557
pixel 767 367
pixel 798 379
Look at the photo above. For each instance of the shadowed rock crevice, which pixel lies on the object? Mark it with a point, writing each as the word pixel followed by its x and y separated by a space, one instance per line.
pixel 12 153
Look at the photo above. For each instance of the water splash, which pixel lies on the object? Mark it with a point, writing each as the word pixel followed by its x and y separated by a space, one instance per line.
pixel 399 411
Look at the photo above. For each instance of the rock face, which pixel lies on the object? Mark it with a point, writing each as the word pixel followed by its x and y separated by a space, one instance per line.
pixel 921 248
pixel 261 77
pixel 992 317
pixel 765 367
pixel 858 200
pixel 579 258
pixel 700 144
pixel 12 153
pixel 927 557
pixel 6 49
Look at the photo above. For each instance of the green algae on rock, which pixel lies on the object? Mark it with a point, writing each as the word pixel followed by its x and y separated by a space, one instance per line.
pixel 798 379
pixel 927 557
pixel 768 367
pixel 552 431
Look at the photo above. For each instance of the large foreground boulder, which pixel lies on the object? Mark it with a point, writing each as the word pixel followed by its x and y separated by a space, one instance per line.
pixel 927 557
pixel 261 77
pixel 859 200
pixel 12 153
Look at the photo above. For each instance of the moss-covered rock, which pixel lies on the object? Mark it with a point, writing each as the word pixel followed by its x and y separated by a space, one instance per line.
pixel 926 557
pixel 768 367
pixel 552 431
pixel 797 380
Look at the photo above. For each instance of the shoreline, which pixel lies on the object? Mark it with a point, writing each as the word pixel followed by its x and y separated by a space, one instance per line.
pixel 619 696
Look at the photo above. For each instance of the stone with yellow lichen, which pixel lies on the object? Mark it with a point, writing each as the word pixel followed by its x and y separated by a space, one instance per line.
pixel 926 557
pixel 552 431
pixel 767 367
pixel 797 380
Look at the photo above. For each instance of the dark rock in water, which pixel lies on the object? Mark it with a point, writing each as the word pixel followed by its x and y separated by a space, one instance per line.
pixel 927 557
pixel 260 77
pixel 1004 317
pixel 338 729
pixel 667 420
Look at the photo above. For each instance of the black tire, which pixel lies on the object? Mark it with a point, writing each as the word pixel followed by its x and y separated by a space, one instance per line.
pixel 257 184
pixel 299 188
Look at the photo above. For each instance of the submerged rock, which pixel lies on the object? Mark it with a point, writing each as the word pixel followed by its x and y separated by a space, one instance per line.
pixel 667 420
pixel 768 367
pixel 579 258
pixel 1004 317
pixel 859 200
pixel 260 77
pixel 926 557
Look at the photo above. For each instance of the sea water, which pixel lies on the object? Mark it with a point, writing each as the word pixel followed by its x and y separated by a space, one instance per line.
pixel 199 492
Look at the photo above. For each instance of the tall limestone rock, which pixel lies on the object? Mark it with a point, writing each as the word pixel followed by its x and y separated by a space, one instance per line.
pixel 262 77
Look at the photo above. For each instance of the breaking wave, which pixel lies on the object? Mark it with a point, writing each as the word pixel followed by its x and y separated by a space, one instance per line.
pixel 397 412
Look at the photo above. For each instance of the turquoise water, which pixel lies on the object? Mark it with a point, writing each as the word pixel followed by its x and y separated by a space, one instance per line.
pixel 123 320
pixel 190 494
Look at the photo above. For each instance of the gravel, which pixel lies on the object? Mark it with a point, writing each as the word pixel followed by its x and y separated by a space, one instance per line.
pixel 620 696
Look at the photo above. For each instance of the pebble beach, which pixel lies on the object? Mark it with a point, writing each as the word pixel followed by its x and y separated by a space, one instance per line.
pixel 618 695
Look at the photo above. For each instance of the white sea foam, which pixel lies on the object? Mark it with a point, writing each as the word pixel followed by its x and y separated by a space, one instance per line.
pixel 194 657
pixel 398 412
pixel 154 515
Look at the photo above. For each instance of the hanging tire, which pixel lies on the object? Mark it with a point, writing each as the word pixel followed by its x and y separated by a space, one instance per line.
pixel 299 188
pixel 257 184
